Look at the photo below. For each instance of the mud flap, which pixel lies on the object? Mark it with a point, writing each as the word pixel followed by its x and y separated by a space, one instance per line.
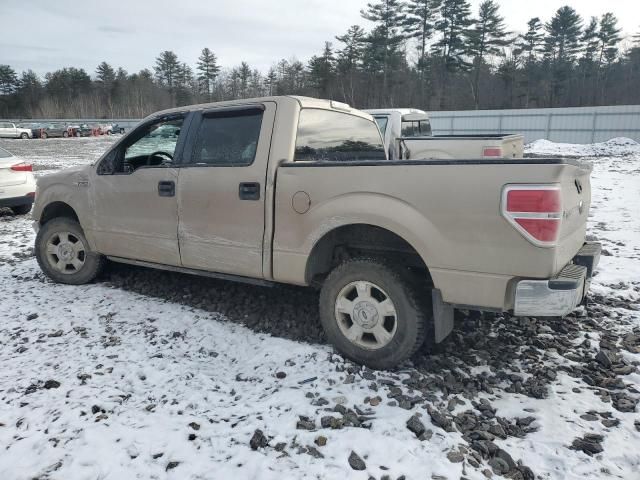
pixel 442 316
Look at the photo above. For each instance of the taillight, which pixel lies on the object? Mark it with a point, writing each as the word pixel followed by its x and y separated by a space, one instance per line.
pixel 535 211
pixel 492 152
pixel 22 167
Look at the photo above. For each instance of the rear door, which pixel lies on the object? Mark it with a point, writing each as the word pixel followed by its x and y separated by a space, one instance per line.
pixel 221 190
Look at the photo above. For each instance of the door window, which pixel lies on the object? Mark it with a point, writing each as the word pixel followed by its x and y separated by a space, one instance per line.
pixel 152 145
pixel 227 138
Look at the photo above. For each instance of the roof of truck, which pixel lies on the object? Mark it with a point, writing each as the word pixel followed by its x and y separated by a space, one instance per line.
pixel 305 102
pixel 387 111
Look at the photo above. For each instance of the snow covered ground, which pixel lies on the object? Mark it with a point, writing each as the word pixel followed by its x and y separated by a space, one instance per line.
pixel 158 375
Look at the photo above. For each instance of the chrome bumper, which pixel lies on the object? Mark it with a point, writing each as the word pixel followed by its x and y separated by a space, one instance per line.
pixel 558 296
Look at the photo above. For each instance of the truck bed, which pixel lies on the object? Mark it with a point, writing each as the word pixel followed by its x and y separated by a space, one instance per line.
pixel 449 210
pixel 463 146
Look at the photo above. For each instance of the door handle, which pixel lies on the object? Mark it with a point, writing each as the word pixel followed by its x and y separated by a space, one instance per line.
pixel 249 191
pixel 167 188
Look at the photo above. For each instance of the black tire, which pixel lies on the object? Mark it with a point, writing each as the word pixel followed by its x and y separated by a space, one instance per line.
pixel 24 136
pixel 93 262
pixel 22 209
pixel 412 315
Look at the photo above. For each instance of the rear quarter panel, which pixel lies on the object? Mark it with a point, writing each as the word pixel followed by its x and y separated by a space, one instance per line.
pixel 450 214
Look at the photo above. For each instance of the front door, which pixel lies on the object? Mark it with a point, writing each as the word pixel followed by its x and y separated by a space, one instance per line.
pixel 136 211
pixel 221 190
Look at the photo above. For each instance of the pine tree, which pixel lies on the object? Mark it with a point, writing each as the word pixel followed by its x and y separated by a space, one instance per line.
pixel 244 75
pixel 562 43
pixel 388 17
pixel 531 43
pixel 453 25
pixel 609 38
pixel 420 23
pixel 349 61
pixel 486 37
pixel 167 69
pixel 8 80
pixel 350 56
pixel 208 71
pixel 270 81
pixel 590 40
pixel 321 71
pixel 30 93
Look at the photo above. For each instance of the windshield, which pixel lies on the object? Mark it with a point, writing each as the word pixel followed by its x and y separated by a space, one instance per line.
pixel 382 123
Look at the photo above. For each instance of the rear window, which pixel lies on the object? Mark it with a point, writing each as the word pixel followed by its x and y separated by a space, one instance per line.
pixel 327 136
pixel 416 129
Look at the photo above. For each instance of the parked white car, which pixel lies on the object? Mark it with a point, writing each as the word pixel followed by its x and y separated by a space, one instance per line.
pixel 17 183
pixel 11 130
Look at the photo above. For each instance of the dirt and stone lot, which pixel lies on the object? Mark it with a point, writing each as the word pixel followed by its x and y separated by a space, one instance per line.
pixel 148 374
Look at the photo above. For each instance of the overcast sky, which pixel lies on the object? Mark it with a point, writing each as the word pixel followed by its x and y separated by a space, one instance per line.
pixel 47 35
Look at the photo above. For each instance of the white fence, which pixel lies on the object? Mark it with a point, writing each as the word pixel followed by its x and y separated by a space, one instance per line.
pixel 570 125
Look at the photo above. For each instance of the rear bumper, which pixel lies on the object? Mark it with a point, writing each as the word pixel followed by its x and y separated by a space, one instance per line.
pixel 16 201
pixel 558 296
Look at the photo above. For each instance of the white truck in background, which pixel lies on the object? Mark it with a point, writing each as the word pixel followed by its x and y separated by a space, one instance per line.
pixel 11 130
pixel 407 135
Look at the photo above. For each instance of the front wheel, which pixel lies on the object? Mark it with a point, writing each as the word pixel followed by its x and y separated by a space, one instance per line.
pixel 65 134
pixel 371 313
pixel 63 252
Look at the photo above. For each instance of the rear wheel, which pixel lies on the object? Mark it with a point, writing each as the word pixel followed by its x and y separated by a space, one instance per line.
pixel 65 134
pixel 24 135
pixel 22 209
pixel 371 313
pixel 63 252
pixel 44 135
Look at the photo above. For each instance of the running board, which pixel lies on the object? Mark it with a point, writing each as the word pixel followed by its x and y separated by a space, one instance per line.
pixel 192 271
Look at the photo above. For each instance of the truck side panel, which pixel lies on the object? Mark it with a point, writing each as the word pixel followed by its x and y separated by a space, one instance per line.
pixel 448 211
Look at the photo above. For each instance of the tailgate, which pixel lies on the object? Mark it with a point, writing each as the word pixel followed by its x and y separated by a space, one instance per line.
pixel 576 200
pixel 10 177
pixel 513 146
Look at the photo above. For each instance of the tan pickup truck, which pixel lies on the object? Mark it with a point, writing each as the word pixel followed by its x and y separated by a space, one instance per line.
pixel 407 135
pixel 300 191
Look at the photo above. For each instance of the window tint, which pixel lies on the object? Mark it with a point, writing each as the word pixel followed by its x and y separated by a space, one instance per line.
pixel 324 135
pixel 382 123
pixel 228 138
pixel 416 129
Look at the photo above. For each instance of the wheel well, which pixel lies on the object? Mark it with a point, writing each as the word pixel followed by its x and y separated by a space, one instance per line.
pixel 55 210
pixel 351 241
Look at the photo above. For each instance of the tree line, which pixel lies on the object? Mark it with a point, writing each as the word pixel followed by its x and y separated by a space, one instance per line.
pixel 429 54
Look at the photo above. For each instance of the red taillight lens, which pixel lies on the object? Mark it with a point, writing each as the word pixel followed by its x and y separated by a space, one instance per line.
pixel 492 152
pixel 22 167
pixel 543 230
pixel 535 211
pixel 539 201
